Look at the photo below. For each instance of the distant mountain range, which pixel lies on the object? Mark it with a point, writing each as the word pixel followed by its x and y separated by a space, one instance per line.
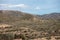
pixel 55 16
pixel 21 15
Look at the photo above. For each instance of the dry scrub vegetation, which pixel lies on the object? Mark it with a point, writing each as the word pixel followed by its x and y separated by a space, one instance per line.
pixel 15 25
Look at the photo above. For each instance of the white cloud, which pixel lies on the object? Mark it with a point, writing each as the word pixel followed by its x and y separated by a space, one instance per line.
pixel 45 7
pixel 14 5
pixel 38 8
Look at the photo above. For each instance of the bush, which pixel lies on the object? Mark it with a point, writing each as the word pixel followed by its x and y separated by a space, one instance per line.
pixel 6 37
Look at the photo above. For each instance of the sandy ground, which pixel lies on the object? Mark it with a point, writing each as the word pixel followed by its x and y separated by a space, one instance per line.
pixel 4 25
pixel 17 39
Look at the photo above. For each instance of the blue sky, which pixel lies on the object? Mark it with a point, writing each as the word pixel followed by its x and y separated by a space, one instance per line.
pixel 31 6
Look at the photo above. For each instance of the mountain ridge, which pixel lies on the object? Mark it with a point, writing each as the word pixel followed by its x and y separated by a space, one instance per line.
pixel 51 16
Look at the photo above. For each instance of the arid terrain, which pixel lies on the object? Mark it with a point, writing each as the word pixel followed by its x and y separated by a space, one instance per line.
pixel 17 25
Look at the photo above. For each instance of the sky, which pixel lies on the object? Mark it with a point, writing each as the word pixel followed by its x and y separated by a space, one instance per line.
pixel 39 7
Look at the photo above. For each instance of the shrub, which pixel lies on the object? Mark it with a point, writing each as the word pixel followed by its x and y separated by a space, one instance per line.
pixel 6 37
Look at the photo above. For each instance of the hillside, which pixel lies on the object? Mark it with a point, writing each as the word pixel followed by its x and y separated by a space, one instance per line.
pixel 13 16
pixel 28 25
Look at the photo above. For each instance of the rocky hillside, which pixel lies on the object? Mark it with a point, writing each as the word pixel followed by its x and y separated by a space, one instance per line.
pixel 28 26
pixel 13 16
